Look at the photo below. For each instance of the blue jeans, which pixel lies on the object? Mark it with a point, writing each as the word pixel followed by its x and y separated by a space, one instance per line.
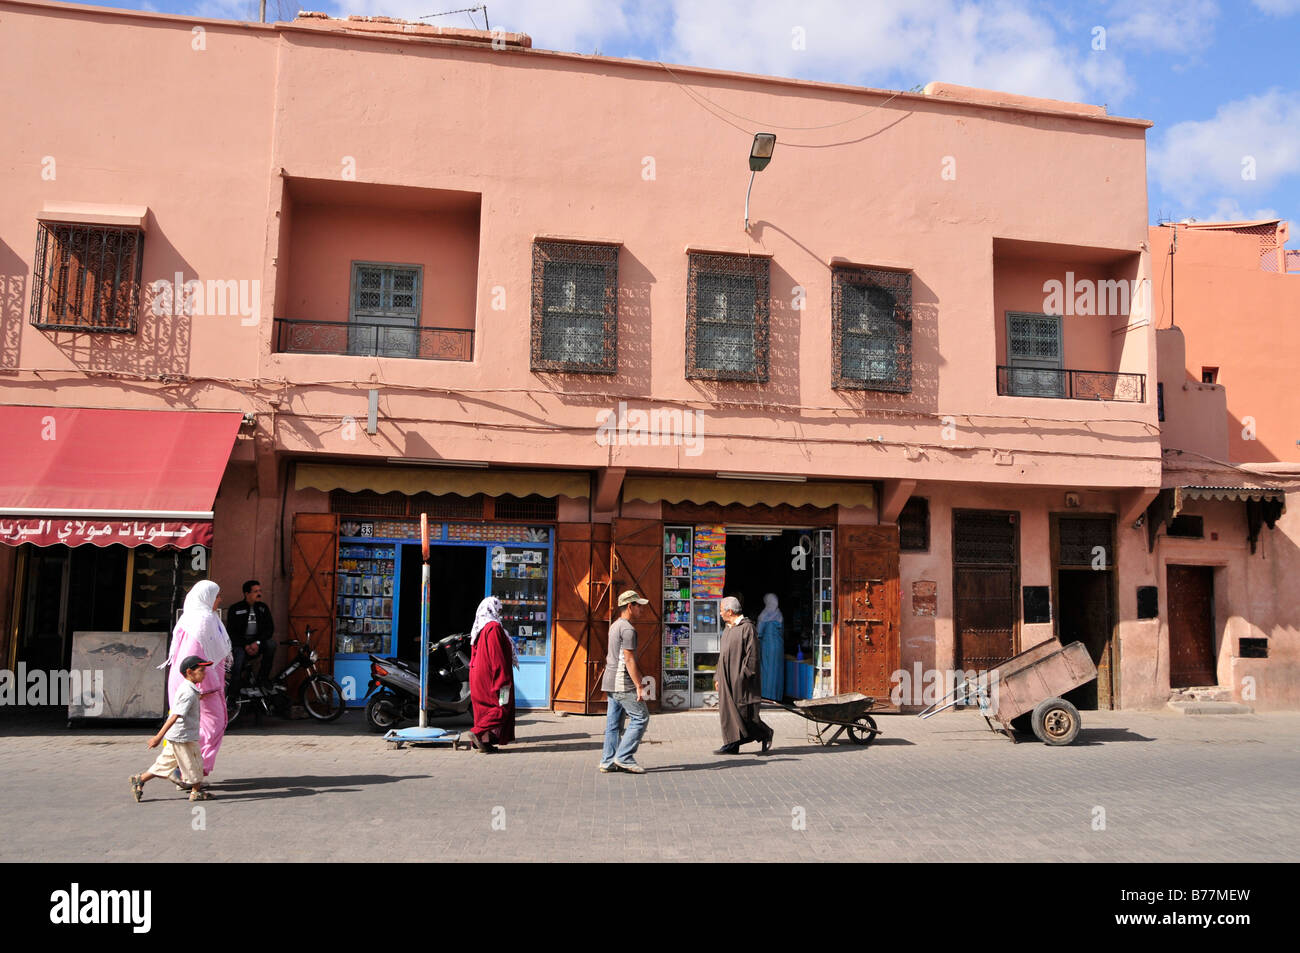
pixel 620 704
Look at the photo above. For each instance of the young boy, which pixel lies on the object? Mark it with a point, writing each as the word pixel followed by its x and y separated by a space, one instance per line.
pixel 182 733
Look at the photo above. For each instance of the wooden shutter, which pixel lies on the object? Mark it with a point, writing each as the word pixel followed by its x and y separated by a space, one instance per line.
pixel 311 583
pixel 868 625
pixel 638 547
pixel 575 586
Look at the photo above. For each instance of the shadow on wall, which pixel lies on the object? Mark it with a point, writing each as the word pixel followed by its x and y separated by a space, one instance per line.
pixel 161 344
pixel 13 291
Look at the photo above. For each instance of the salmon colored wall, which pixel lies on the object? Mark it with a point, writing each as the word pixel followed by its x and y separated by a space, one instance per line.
pixel 325 240
pixel 1254 597
pixel 1196 415
pixel 1242 320
pixel 635 164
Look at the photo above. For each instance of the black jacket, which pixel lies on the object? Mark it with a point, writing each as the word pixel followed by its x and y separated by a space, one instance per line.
pixel 237 623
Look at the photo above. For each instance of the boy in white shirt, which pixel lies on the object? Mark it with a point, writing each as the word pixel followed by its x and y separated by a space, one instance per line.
pixel 182 733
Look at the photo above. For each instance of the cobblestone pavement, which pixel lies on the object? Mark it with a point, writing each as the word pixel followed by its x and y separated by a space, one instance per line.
pixel 1172 787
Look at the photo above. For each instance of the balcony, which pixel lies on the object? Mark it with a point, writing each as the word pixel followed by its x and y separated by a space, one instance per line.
pixel 373 339
pixel 1071 384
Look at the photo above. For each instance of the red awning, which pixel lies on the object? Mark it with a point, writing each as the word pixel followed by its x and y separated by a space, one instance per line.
pixel 67 464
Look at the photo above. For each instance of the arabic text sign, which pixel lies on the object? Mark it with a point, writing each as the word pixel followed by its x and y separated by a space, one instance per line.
pixel 50 532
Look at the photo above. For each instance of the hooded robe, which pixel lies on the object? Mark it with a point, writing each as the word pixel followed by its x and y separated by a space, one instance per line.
pixel 199 632
pixel 739 684
pixel 491 676
pixel 771 639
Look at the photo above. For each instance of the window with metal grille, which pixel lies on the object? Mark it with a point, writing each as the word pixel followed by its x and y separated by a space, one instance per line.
pixel 384 309
pixel 86 277
pixel 1082 541
pixel 914 526
pixel 871 329
pixel 1035 355
pixel 575 308
pixel 525 508
pixel 984 538
pixel 727 318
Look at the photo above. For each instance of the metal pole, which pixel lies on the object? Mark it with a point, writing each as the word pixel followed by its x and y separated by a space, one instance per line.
pixel 424 644
pixel 747 191
pixel 262 11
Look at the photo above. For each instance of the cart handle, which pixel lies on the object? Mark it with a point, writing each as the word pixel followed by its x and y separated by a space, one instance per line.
pixel 961 693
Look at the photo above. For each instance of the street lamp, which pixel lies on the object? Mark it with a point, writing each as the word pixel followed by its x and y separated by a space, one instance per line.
pixel 760 154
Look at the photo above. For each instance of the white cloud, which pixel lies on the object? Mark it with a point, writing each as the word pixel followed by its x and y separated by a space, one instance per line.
pixel 1246 149
pixel 1176 26
pixel 1278 8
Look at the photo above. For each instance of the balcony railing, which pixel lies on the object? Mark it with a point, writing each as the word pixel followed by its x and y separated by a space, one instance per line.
pixel 373 339
pixel 1071 384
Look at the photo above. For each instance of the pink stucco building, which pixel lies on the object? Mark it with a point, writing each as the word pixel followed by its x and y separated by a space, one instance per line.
pixel 444 272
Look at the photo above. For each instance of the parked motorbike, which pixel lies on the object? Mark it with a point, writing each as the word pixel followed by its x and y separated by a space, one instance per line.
pixel 393 694
pixel 320 695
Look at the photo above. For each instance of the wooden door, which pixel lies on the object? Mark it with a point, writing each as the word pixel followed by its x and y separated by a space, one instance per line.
pixel 577 589
pixel 1192 660
pixel 986 572
pixel 311 584
pixel 637 563
pixel 867 629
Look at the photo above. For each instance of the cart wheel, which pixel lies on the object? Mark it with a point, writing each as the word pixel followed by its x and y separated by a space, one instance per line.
pixel 1056 721
pixel 864 732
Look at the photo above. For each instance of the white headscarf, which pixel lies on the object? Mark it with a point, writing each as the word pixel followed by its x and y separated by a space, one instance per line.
pixel 200 620
pixel 489 610
pixel 771 613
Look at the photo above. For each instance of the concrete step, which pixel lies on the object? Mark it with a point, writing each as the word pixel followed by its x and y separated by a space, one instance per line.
pixel 1211 708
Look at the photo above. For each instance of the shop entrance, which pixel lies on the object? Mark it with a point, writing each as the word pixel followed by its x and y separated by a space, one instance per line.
pixel 69 590
pixel 457 576
pixel 780 562
pixel 1085 617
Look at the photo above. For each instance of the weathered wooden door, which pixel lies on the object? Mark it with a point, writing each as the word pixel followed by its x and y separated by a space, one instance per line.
pixel 580 586
pixel 867 631
pixel 637 563
pixel 986 555
pixel 311 583
pixel 1191 627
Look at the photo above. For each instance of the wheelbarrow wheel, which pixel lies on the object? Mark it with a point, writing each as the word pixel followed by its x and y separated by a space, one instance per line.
pixel 864 732
pixel 1056 721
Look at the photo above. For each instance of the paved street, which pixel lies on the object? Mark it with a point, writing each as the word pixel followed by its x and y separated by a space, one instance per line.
pixel 1205 788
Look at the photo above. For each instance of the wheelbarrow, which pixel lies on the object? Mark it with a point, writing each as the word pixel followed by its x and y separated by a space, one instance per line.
pixel 847 714
pixel 1028 687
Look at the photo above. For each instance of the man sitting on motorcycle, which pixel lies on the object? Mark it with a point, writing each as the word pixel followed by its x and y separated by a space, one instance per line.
pixel 251 631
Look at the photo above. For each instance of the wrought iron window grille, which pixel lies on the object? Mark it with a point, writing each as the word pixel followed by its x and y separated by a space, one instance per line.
pixel 871 330
pixel 574 324
pixel 87 278
pixel 727 318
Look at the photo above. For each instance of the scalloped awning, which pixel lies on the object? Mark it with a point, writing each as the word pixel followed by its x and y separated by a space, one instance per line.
pixel 412 480
pixel 747 492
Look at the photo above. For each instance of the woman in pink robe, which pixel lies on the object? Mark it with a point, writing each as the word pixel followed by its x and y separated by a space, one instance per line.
pixel 200 632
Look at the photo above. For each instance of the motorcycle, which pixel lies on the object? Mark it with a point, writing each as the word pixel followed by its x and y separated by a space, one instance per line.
pixel 393 694
pixel 320 695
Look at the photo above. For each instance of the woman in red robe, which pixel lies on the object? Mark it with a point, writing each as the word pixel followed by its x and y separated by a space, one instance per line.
pixel 491 678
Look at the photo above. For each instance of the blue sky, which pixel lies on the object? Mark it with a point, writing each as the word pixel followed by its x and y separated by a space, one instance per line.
pixel 1220 78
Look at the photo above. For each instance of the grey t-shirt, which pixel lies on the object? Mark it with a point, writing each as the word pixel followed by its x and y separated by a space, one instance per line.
pixel 185 706
pixel 622 635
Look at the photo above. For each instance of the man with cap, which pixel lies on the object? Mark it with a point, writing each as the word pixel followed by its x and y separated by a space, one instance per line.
pixel 622 687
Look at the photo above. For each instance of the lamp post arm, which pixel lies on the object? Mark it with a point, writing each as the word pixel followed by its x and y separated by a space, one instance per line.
pixel 747 191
